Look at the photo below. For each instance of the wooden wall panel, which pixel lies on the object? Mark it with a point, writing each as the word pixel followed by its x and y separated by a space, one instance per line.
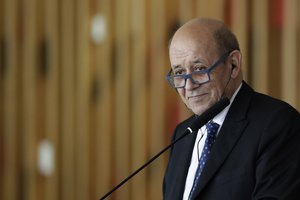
pixel 158 68
pixel 2 115
pixel 187 10
pixel 68 66
pixel 122 75
pixel 105 106
pixel 29 118
pixel 138 97
pixel 240 26
pixel 52 116
pixel 82 99
pixel 104 61
pixel 260 45
pixel 9 93
pixel 212 8
pixel 289 52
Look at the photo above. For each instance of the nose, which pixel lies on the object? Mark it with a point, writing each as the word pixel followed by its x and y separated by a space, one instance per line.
pixel 189 85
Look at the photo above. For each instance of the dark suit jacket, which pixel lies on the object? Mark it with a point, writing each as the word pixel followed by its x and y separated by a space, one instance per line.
pixel 256 154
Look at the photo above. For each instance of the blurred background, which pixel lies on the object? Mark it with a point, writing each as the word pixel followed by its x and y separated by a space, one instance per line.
pixel 83 96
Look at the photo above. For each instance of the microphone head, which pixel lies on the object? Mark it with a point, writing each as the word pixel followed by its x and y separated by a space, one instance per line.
pixel 209 113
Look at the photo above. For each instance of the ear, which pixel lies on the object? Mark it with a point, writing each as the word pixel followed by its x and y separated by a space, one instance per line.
pixel 236 63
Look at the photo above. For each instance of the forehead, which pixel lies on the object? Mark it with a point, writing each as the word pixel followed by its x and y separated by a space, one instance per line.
pixel 192 40
pixel 184 50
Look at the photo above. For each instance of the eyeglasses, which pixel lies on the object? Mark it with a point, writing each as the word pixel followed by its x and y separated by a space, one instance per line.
pixel 197 77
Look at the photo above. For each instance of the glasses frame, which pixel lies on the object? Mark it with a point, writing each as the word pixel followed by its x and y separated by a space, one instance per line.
pixel 207 71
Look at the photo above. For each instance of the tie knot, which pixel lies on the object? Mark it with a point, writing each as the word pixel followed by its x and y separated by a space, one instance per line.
pixel 212 129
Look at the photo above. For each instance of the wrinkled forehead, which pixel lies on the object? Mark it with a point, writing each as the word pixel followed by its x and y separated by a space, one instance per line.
pixel 190 43
pixel 192 37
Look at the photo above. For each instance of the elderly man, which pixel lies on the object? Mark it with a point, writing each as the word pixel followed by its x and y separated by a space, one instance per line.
pixel 251 149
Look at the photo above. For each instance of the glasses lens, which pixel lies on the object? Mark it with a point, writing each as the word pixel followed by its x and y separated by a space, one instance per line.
pixel 178 81
pixel 199 77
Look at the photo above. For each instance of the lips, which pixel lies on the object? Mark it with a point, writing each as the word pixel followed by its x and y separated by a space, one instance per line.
pixel 196 96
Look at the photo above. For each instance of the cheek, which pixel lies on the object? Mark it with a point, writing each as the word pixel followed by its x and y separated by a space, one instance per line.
pixel 217 90
pixel 216 93
pixel 181 93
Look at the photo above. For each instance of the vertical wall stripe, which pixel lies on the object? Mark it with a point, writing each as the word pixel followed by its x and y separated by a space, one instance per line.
pixel 157 94
pixel 82 96
pixel 29 143
pixel 2 96
pixel 105 105
pixel 187 10
pixel 122 99
pixel 52 116
pixel 138 97
pixel 260 45
pixel 105 121
pixel 212 8
pixel 10 96
pixel 289 52
pixel 240 24
pixel 67 100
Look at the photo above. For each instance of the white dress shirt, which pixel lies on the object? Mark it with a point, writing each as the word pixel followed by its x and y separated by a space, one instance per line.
pixel 198 146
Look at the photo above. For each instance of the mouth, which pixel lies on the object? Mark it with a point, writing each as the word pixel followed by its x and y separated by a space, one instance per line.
pixel 196 97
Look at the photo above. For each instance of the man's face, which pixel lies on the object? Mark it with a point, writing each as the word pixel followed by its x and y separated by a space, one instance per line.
pixel 188 55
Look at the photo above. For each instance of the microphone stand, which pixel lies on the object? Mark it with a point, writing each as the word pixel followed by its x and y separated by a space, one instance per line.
pixel 147 163
pixel 198 123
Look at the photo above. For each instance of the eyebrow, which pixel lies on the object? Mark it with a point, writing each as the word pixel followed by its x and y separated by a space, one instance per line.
pixel 197 61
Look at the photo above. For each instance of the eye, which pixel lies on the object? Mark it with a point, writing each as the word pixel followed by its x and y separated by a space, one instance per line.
pixel 179 71
pixel 199 68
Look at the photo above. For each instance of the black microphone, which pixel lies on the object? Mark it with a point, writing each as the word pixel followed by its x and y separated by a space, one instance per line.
pixel 207 115
pixel 195 125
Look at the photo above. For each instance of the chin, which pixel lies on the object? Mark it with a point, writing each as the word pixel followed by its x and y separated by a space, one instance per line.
pixel 198 110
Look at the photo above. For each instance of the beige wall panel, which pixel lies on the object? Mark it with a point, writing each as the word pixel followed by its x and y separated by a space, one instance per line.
pixel 67 100
pixel 122 158
pixel 82 100
pixel 260 45
pixel 3 5
pixel 52 117
pixel 29 118
pixel 240 24
pixel 105 122
pixel 100 138
pixel 2 83
pixel 187 10
pixel 158 69
pixel 289 53
pixel 211 8
pixel 104 154
pixel 139 97
pixel 10 170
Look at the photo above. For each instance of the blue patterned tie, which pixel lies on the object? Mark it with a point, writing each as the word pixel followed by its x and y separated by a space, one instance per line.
pixel 212 129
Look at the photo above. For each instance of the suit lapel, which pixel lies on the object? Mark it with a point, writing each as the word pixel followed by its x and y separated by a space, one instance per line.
pixel 230 132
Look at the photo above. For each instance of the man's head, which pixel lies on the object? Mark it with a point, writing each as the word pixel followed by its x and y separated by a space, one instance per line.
pixel 196 46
